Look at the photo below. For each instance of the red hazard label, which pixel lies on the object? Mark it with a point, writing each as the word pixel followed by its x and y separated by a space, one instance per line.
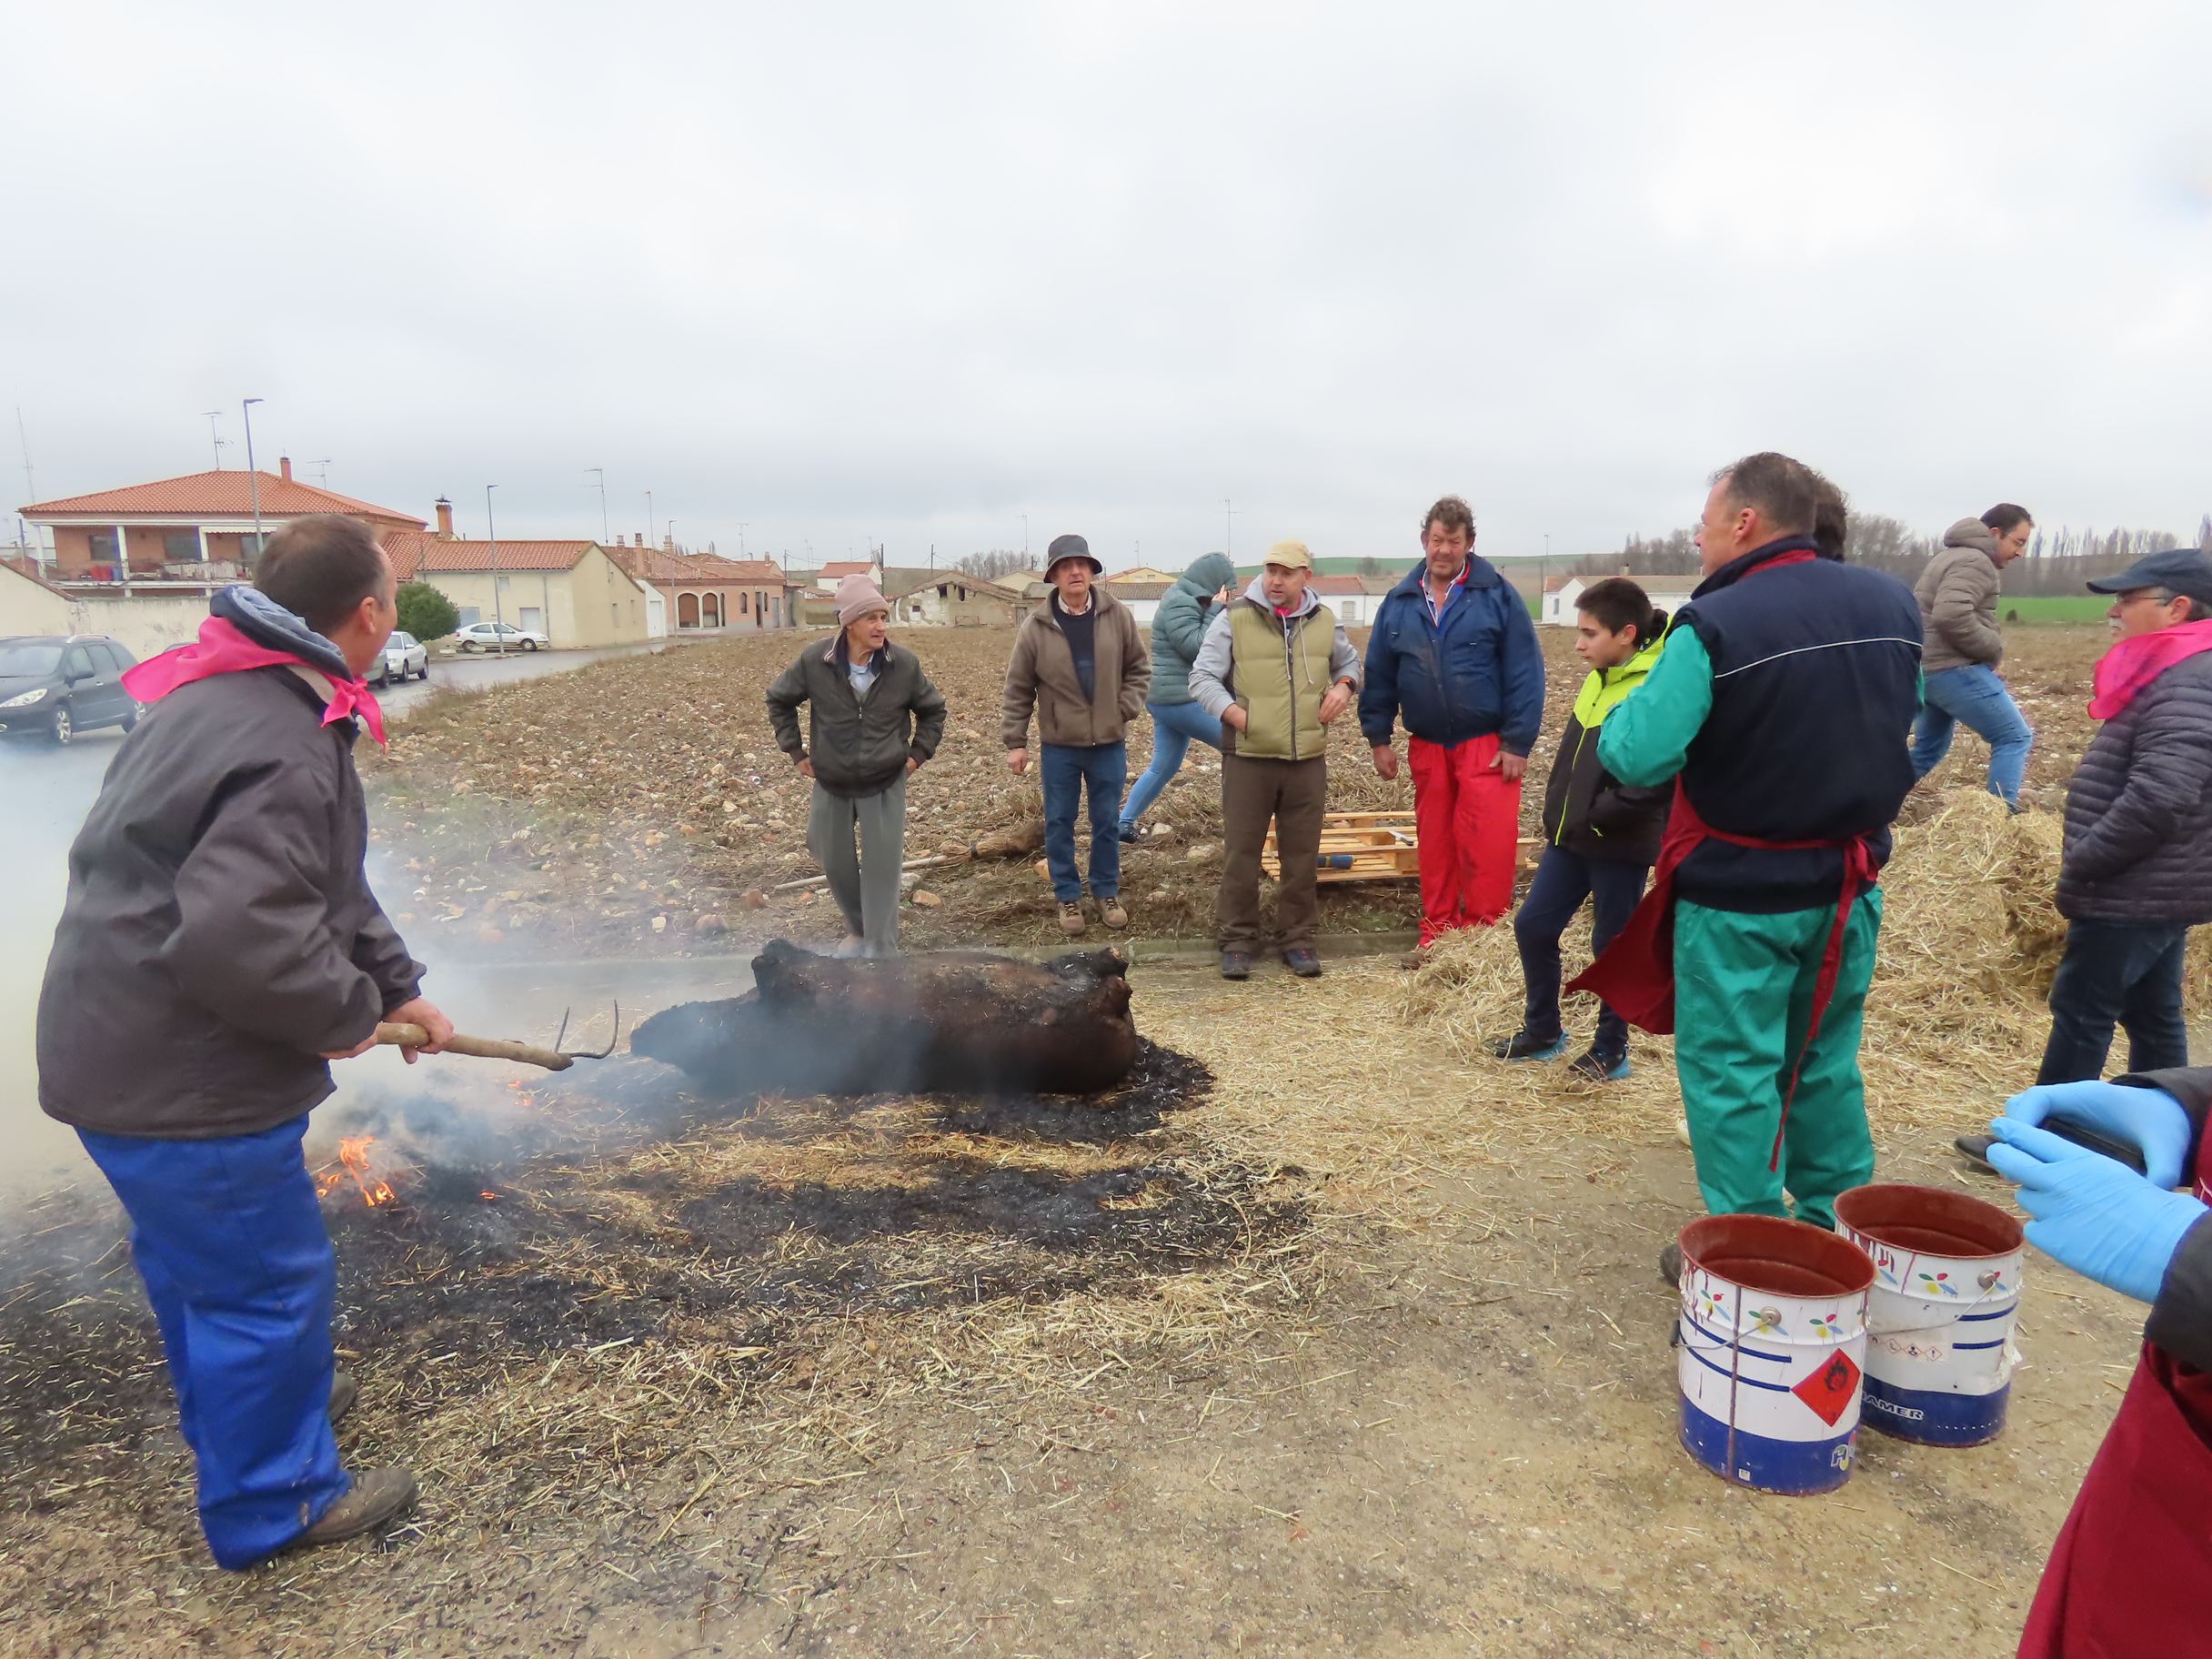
pixel 1829 1390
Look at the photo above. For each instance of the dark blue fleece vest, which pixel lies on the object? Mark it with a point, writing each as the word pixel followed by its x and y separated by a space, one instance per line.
pixel 1815 683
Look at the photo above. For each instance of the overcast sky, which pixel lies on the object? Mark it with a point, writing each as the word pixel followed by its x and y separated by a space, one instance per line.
pixel 907 273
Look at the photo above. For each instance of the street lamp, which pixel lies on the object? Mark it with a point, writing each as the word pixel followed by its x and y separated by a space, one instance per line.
pixel 499 612
pixel 253 481
pixel 605 533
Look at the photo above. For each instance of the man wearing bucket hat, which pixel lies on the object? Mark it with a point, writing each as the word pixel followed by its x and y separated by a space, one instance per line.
pixel 2136 873
pixel 1080 665
pixel 2136 1537
pixel 1276 670
pixel 1780 710
pixel 872 717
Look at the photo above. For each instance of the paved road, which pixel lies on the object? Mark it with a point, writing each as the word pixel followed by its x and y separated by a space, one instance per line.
pixel 44 793
pixel 475 673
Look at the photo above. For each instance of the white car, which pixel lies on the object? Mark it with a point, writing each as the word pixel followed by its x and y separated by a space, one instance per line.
pixel 403 659
pixel 499 637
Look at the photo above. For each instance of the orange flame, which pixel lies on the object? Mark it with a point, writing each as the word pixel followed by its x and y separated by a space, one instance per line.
pixel 354 1164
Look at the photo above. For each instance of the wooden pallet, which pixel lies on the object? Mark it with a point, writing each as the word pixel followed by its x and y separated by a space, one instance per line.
pixel 1363 847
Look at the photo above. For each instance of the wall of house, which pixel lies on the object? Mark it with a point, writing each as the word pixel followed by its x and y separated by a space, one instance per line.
pixel 144 624
pixel 951 605
pixel 599 605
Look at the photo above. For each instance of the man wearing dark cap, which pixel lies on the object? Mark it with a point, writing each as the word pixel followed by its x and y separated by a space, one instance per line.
pixel 1080 667
pixel 2136 873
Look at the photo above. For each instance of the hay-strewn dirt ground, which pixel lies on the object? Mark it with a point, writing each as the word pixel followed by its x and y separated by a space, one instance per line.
pixel 1356 1348
pixel 619 808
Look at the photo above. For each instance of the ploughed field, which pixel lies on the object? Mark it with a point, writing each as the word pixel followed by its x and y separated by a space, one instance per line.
pixel 641 805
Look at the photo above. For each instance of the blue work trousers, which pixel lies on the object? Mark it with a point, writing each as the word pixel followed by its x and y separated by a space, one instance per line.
pixel 2121 973
pixel 229 1237
pixel 1973 696
pixel 1099 770
pixel 1175 727
pixel 1564 880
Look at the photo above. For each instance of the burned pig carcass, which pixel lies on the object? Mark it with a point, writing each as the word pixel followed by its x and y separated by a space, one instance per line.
pixel 954 1021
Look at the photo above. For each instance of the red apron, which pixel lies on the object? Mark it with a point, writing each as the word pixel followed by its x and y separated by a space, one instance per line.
pixel 2127 1577
pixel 1635 975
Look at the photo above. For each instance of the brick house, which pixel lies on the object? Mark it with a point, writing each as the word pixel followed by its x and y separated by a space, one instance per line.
pixel 706 593
pixel 572 592
pixel 195 528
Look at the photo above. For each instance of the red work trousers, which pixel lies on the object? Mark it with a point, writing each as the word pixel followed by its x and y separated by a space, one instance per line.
pixel 1468 816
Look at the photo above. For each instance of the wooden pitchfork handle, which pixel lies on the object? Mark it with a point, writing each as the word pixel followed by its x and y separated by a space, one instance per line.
pixel 402 1035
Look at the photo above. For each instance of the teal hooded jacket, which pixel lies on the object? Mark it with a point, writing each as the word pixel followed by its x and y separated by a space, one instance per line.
pixel 1180 623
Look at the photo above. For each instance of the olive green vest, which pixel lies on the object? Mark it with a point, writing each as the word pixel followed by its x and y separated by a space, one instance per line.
pixel 1279 680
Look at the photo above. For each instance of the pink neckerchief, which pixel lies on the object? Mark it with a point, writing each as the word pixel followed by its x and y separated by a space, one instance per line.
pixel 223 647
pixel 2133 662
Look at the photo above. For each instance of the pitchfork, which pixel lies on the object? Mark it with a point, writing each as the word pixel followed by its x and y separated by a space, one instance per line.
pixel 555 1059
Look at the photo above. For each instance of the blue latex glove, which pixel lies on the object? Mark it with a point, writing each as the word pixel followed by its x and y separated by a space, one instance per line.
pixel 2096 1215
pixel 2149 1120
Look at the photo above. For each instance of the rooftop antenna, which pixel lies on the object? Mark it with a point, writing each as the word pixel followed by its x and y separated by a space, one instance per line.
pixel 606 532
pixel 322 471
pixel 30 484
pixel 1229 531
pixel 213 416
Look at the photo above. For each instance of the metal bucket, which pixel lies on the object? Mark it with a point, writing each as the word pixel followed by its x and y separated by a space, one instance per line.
pixel 1939 1353
pixel 1773 1335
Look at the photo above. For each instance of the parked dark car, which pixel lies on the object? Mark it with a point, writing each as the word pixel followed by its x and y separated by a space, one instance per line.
pixel 62 684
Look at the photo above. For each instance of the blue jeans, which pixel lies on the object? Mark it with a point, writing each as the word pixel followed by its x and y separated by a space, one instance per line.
pixel 1175 728
pixel 229 1239
pixel 1068 773
pixel 2123 972
pixel 1975 695
pixel 1564 880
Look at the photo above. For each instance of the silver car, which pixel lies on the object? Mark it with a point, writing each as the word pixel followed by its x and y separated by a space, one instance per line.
pixel 405 657
pixel 499 637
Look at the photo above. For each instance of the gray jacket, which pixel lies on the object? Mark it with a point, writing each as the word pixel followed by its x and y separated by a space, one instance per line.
pixel 1958 600
pixel 219 934
pixel 860 746
pixel 2139 842
pixel 1210 668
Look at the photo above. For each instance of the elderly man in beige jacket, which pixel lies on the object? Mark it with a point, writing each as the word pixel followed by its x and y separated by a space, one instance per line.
pixel 1080 665
pixel 1959 606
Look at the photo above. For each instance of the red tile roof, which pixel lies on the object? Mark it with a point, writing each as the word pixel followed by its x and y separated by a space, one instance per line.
pixel 413 552
pixel 213 495
pixel 845 567
pixel 688 569
pixel 1336 584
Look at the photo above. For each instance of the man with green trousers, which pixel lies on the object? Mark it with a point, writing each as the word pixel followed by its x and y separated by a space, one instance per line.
pixel 1781 707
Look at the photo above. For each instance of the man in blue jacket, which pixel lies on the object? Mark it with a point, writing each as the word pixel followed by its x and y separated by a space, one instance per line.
pixel 1455 654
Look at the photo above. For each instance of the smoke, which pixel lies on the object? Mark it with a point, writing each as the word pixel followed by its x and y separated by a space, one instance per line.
pixel 46 790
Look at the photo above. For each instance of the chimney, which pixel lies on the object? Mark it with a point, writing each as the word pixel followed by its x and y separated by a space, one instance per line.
pixel 637 537
pixel 445 519
pixel 284 466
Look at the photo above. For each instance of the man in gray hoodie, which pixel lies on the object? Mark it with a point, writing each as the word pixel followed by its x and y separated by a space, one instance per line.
pixel 1275 669
pixel 1959 606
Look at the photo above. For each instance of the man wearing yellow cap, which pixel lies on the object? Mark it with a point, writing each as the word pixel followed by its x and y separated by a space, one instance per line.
pixel 1276 670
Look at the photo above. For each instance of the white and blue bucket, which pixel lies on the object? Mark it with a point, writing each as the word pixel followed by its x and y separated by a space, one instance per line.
pixel 1772 1339
pixel 1946 1291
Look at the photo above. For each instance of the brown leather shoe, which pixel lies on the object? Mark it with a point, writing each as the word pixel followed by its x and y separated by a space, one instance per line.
pixel 344 1391
pixel 1111 913
pixel 379 1498
pixel 1071 920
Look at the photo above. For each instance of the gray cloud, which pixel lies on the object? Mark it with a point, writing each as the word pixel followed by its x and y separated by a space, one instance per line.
pixel 906 274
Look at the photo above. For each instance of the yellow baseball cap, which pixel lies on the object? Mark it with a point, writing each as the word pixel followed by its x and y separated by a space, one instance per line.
pixel 1291 556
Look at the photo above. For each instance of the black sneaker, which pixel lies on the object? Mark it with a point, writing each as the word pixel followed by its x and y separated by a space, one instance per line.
pixel 1592 1067
pixel 1128 835
pixel 1522 1046
pixel 1236 964
pixel 1302 962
